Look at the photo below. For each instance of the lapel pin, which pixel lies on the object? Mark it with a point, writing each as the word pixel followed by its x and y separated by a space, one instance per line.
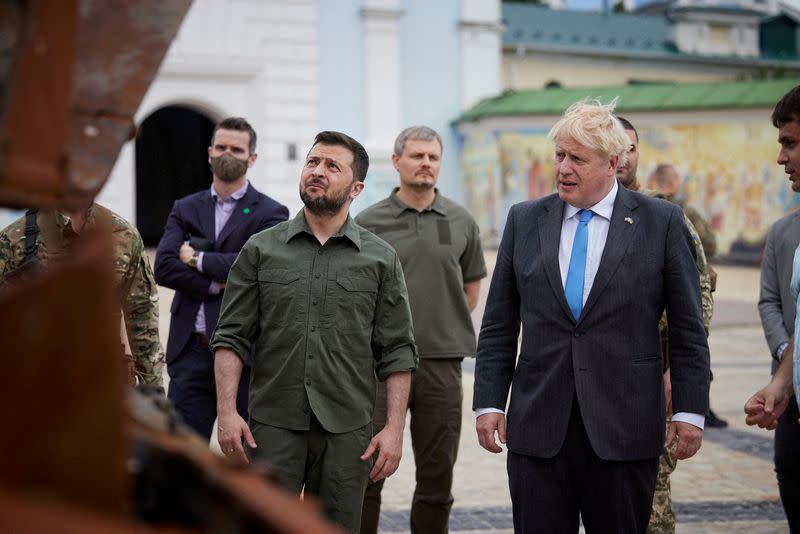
pixel 246 211
pixel 628 220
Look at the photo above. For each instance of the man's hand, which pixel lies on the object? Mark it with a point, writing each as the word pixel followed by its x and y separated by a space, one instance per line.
pixel 186 252
pixel 231 429
pixel 764 408
pixel 689 436
pixel 486 425
pixel 389 444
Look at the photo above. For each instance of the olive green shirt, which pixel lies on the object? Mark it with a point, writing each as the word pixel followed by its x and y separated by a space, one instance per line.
pixel 325 320
pixel 440 250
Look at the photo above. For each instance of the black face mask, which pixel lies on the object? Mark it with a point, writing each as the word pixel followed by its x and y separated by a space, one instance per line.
pixel 228 167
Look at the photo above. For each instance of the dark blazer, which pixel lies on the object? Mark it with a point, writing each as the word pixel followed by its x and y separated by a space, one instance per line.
pixel 611 359
pixel 775 303
pixel 194 215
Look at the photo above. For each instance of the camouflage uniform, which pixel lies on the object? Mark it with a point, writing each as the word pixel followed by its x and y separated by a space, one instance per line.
pixel 702 226
pixel 662 517
pixel 132 273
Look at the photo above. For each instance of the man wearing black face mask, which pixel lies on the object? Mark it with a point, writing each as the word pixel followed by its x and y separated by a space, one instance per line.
pixel 202 238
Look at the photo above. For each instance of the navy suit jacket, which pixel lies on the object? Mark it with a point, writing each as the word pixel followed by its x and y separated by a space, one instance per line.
pixel 611 357
pixel 194 215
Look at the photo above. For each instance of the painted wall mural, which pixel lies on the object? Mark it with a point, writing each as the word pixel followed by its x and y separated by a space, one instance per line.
pixel 728 170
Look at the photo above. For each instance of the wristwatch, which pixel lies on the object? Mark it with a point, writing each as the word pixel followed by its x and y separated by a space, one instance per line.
pixel 194 259
pixel 778 356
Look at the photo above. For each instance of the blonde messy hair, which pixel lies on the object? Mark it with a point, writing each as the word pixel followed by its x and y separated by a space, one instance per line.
pixel 593 125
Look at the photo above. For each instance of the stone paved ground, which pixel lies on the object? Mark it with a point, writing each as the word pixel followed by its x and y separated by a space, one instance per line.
pixel 729 487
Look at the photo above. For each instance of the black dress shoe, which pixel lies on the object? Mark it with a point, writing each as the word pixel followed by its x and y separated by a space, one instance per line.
pixel 715 422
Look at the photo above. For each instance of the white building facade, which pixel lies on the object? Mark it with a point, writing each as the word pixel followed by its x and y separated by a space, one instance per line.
pixel 368 68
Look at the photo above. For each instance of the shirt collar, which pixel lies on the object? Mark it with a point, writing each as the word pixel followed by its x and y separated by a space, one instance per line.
pixel 238 194
pixel 398 206
pixel 299 225
pixel 604 208
pixel 62 220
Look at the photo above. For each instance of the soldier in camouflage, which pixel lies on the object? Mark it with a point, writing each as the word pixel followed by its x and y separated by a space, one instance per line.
pixel 662 517
pixel 666 180
pixel 57 231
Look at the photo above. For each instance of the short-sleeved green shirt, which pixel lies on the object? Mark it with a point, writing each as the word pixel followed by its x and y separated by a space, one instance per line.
pixel 440 250
pixel 325 320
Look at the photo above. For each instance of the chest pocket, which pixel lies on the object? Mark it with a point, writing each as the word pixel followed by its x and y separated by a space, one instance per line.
pixel 350 302
pixel 279 296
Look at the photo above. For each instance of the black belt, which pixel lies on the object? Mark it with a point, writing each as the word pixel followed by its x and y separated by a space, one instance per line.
pixel 200 338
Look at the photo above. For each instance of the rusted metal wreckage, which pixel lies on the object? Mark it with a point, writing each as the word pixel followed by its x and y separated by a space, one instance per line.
pixel 80 451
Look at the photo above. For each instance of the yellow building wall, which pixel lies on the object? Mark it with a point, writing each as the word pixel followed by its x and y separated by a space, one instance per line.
pixel 728 169
pixel 535 71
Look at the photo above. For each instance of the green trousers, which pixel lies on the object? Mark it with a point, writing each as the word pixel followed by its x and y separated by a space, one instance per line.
pixel 320 463
pixel 435 406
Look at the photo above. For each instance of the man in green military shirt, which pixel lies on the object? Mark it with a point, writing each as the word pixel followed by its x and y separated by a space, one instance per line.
pixel 662 516
pixel 666 180
pixel 439 246
pixel 51 233
pixel 326 305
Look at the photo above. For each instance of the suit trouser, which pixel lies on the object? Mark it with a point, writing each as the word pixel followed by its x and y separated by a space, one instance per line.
pixel 321 463
pixel 550 494
pixel 787 463
pixel 435 404
pixel 193 389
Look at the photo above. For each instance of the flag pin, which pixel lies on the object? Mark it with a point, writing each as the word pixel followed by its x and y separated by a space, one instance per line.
pixel 246 211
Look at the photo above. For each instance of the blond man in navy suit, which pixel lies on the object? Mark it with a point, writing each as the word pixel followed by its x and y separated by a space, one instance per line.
pixel 586 274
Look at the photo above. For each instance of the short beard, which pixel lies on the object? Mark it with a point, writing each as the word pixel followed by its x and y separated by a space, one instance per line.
pixel 324 205
pixel 424 186
pixel 628 179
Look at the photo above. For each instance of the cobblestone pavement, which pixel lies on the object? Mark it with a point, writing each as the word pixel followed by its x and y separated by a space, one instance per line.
pixel 728 487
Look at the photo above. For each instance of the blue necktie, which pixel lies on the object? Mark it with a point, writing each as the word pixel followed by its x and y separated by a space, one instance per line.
pixel 573 289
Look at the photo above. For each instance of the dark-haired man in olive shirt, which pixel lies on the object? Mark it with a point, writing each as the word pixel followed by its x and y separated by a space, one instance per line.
pixel 325 303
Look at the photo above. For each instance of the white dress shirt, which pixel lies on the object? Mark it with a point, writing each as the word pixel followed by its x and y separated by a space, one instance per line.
pixel 598 233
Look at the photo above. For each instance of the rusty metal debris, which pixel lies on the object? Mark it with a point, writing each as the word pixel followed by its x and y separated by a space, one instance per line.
pixel 83 453
pixel 75 72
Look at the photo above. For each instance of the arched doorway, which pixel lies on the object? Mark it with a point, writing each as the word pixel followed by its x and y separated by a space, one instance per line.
pixel 171 162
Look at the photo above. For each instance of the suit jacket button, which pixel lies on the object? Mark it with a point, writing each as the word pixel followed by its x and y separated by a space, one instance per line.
pixel 578 333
